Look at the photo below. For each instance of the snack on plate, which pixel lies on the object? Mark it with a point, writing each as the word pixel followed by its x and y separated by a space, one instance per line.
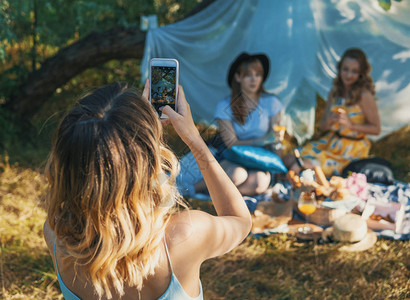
pixel 320 177
pixel 293 179
pixel 335 189
pixel 387 218
pixel 337 182
pixel 323 191
pixel 260 221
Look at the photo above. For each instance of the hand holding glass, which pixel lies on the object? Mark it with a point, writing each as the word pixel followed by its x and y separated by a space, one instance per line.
pixel 339 104
pixel 279 131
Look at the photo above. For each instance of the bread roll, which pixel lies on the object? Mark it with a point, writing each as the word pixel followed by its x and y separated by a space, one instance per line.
pixel 320 177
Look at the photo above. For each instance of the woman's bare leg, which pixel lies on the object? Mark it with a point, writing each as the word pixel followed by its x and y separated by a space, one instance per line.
pixel 256 183
pixel 236 173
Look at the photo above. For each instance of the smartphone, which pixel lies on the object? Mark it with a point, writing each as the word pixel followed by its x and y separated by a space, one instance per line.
pixel 164 73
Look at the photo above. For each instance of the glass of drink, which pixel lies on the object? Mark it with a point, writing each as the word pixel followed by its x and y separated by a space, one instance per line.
pixel 279 130
pixel 339 103
pixel 279 134
pixel 306 205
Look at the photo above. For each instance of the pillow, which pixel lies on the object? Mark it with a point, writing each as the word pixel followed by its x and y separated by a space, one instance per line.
pixel 254 157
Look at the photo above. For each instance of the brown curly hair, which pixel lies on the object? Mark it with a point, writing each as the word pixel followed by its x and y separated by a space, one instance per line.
pixel 365 81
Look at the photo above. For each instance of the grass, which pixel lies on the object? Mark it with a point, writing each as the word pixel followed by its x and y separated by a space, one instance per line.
pixel 281 267
pixel 278 267
pixel 26 270
pixel 275 267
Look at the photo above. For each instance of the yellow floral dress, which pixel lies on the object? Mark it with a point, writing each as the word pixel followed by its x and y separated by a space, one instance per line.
pixel 339 146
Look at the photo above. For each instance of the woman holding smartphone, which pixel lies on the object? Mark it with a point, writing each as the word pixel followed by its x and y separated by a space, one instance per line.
pixel 114 229
pixel 351 113
pixel 248 117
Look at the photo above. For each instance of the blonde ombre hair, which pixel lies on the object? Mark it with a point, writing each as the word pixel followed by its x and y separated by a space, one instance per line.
pixel 112 188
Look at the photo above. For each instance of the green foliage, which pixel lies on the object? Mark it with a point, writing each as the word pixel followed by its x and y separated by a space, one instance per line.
pixel 386 4
pixel 6 33
pixel 33 30
pixel 22 141
pixel 59 22
pixel 28 142
pixel 169 11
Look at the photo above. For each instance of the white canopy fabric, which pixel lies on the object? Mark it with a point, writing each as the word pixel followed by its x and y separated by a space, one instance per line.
pixel 304 41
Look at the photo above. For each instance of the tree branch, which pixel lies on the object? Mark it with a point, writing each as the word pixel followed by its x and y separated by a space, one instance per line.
pixel 92 50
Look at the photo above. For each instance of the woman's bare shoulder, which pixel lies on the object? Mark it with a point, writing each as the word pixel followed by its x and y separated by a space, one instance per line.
pixel 182 225
pixel 366 95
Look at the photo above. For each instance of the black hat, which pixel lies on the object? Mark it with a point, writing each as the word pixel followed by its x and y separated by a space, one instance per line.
pixel 246 57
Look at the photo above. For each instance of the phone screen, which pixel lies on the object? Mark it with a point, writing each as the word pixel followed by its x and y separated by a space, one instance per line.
pixel 163 85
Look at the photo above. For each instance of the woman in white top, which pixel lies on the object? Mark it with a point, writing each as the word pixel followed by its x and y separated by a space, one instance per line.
pixel 247 117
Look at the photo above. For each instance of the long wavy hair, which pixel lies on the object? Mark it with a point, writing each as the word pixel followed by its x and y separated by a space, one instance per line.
pixel 238 99
pixel 112 188
pixel 365 81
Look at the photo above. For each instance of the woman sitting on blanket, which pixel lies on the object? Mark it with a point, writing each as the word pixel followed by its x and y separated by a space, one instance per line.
pixel 247 117
pixel 351 113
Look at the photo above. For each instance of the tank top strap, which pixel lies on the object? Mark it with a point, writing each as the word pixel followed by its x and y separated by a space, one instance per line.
pixel 67 293
pixel 169 257
pixel 55 256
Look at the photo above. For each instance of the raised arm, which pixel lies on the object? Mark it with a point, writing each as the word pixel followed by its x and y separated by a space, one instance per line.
pixel 211 236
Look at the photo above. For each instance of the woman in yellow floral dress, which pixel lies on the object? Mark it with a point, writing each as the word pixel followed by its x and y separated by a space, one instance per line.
pixel 351 113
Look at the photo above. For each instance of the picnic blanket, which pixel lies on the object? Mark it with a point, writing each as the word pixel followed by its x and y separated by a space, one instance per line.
pixel 399 192
pixel 379 194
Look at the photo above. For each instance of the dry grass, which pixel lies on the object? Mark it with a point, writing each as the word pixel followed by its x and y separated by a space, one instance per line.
pixel 281 267
pixel 275 267
pixel 26 270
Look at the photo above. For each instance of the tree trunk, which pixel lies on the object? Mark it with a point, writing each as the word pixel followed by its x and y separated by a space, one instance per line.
pixel 93 50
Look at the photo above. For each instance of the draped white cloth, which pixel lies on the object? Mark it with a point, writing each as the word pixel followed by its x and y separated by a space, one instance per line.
pixel 304 40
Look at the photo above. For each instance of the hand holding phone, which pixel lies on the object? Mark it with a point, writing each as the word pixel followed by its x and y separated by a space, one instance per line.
pixel 164 74
pixel 182 120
